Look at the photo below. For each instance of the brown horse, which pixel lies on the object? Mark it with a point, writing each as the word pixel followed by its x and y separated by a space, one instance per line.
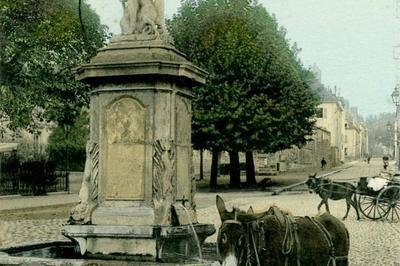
pixel 276 238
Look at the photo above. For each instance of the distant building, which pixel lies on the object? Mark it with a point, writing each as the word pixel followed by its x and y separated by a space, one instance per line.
pixel 364 141
pixel 352 141
pixel 356 141
pixel 35 138
pixel 331 117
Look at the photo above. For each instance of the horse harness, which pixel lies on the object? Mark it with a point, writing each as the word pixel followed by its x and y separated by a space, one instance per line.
pixel 291 244
pixel 328 238
pixel 291 239
pixel 322 187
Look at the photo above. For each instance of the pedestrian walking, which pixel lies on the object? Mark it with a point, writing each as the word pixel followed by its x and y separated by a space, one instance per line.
pixel 323 163
pixel 385 160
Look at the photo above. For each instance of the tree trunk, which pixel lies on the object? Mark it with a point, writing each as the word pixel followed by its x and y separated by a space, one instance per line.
pixel 67 131
pixel 234 169
pixel 250 170
pixel 214 170
pixel 201 165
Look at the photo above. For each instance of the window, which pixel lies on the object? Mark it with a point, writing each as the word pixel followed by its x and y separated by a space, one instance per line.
pixel 320 113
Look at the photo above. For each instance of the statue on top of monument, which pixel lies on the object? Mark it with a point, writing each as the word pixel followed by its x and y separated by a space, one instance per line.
pixel 142 17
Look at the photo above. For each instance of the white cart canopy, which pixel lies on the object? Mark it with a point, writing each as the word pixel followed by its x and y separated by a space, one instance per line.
pixel 6 147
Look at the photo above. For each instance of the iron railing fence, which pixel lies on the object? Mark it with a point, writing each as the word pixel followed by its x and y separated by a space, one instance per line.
pixel 28 183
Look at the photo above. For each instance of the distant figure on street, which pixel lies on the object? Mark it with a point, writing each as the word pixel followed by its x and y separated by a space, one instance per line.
pixel 386 172
pixel 368 159
pixel 323 163
pixel 385 162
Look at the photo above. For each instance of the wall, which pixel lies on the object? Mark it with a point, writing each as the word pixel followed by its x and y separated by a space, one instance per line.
pixel 333 120
pixel 308 156
pixel 351 146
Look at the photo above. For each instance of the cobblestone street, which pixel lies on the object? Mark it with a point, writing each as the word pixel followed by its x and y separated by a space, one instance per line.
pixel 372 242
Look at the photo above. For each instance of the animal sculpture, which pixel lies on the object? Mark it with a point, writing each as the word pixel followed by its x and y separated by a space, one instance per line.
pixel 142 16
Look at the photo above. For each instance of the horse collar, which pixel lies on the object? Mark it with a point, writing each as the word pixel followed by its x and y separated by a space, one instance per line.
pixel 231 221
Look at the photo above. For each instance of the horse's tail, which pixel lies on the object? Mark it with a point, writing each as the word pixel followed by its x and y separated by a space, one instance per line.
pixel 355 198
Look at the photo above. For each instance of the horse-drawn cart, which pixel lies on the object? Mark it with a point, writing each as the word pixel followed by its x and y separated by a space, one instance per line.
pixel 379 198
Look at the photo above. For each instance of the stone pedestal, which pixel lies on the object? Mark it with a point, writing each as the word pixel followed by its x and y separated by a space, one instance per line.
pixel 140 126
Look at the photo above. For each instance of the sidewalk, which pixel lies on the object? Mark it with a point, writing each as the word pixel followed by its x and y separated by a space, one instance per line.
pixel 17 202
pixel 22 202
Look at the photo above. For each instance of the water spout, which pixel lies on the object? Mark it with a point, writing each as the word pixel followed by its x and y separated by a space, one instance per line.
pixel 194 231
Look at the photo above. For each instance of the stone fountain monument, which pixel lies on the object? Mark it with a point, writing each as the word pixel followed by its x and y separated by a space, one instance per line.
pixel 137 195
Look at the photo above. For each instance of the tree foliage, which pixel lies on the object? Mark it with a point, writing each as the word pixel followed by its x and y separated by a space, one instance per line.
pixel 41 42
pixel 256 96
pixel 67 143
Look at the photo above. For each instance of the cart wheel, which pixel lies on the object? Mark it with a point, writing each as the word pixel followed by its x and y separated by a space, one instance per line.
pixel 390 198
pixel 370 208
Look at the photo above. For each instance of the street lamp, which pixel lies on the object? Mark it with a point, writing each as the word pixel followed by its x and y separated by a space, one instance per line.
pixel 396 96
pixel 389 128
pixel 396 100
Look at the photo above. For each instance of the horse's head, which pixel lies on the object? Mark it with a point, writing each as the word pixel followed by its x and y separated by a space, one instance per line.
pixel 231 241
pixel 241 216
pixel 232 235
pixel 312 182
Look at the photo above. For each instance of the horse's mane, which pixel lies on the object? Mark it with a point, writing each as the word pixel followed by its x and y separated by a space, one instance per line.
pixel 284 211
pixel 323 214
pixel 266 209
pixel 259 214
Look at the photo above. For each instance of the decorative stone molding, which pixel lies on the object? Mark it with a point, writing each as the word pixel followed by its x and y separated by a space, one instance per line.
pixel 164 173
pixel 193 189
pixel 88 193
pixel 94 180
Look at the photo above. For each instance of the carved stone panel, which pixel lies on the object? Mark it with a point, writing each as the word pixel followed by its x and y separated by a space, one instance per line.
pixel 88 194
pixel 183 132
pixel 183 122
pixel 164 181
pixel 183 167
pixel 125 149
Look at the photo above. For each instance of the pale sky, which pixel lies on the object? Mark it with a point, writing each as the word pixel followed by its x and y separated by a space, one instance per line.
pixel 351 41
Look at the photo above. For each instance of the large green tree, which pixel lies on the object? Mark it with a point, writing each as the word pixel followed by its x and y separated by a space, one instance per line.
pixel 41 41
pixel 256 96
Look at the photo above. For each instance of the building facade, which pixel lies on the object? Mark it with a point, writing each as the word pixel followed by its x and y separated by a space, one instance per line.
pixel 331 117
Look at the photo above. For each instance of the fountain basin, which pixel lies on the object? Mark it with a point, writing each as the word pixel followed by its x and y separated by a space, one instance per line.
pixel 141 243
pixel 67 253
